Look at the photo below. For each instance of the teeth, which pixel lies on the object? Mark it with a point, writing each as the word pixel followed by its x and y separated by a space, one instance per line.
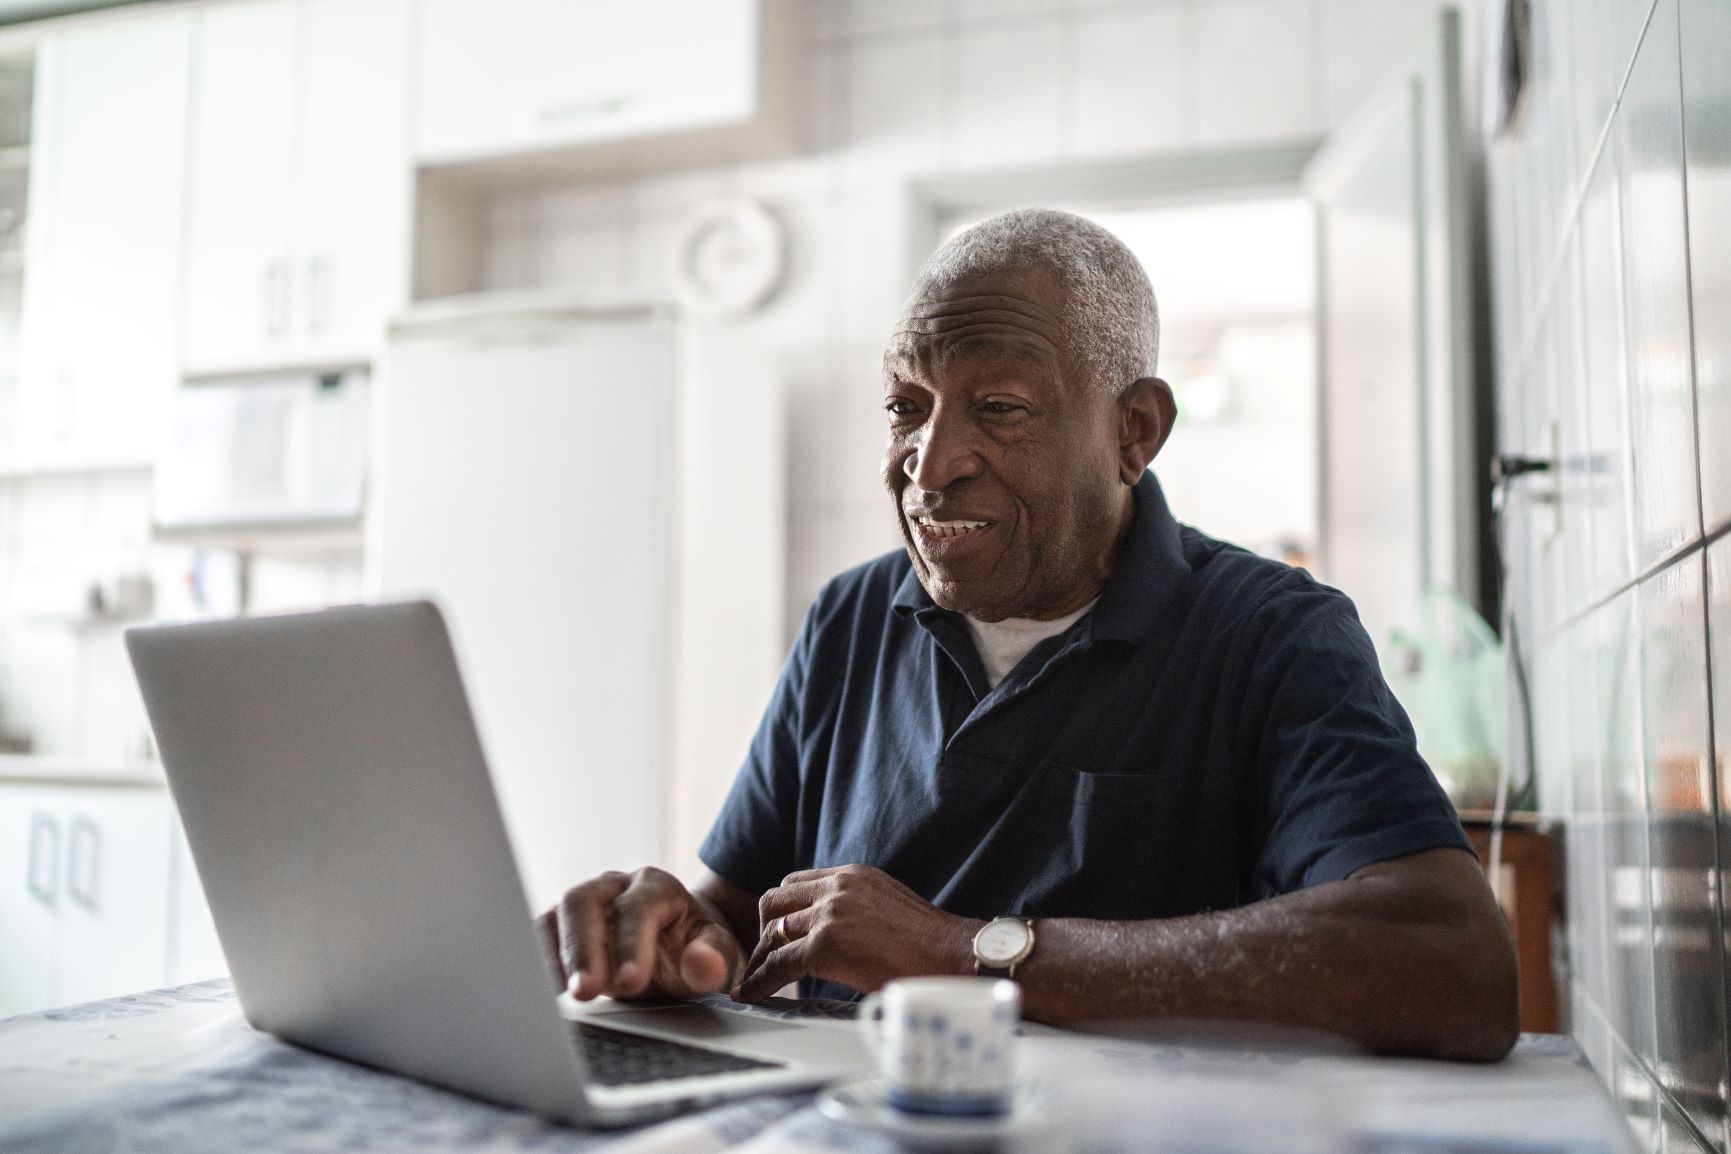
pixel 942 529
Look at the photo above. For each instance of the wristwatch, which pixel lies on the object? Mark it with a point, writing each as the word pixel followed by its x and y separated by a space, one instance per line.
pixel 1001 945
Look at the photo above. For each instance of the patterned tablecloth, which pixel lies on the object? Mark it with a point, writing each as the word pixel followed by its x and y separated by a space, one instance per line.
pixel 180 1071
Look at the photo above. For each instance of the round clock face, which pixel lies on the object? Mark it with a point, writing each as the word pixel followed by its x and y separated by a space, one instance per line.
pixel 1002 941
pixel 731 257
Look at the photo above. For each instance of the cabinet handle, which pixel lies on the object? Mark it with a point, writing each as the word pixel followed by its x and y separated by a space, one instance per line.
pixel 604 107
pixel 283 300
pixel 84 870
pixel 318 293
pixel 43 827
pixel 275 298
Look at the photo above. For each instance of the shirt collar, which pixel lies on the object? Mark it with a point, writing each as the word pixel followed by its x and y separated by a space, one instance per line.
pixel 1150 569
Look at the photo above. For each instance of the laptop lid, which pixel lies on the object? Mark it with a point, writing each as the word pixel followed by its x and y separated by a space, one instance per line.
pixel 337 803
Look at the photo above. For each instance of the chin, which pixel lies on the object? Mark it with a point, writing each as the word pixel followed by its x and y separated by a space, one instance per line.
pixel 981 598
pixel 957 597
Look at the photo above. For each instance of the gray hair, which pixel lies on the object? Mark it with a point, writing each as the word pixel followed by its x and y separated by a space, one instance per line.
pixel 1111 320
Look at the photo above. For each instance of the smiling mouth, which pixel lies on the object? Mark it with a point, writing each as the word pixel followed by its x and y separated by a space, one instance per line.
pixel 942 530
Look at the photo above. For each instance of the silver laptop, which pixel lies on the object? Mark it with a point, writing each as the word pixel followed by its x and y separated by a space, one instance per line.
pixel 330 778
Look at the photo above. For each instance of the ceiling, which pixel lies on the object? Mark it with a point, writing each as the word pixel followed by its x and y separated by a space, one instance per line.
pixel 19 11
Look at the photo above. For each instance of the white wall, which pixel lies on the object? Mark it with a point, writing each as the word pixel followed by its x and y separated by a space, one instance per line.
pixel 906 88
pixel 68 686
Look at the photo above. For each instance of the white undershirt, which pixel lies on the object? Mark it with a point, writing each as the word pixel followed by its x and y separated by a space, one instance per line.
pixel 1001 644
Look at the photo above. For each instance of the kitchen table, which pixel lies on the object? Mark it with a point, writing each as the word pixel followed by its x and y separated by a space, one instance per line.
pixel 180 1070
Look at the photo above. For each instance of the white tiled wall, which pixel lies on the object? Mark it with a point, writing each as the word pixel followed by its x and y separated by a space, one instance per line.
pixel 65 683
pixel 1610 273
pixel 908 88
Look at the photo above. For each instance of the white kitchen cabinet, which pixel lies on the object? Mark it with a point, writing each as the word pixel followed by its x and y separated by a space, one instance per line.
pixel 99 314
pixel 238 262
pixel 353 177
pixel 84 892
pixel 112 936
pixel 497 78
pixel 300 183
pixel 194 953
pixel 30 857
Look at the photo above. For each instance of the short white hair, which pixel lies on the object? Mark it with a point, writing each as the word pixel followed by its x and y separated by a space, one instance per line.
pixel 1111 320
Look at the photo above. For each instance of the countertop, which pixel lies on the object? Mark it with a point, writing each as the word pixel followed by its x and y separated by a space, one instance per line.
pixel 50 769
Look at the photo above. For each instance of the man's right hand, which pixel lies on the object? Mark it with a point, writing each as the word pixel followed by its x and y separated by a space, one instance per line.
pixel 639 935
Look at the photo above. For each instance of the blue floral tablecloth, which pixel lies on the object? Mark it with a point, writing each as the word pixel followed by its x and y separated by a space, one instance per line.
pixel 179 1071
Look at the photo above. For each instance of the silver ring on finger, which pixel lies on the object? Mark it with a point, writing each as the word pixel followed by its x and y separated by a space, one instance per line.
pixel 780 929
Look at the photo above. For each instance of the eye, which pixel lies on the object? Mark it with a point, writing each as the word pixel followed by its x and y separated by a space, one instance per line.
pixel 899 407
pixel 999 408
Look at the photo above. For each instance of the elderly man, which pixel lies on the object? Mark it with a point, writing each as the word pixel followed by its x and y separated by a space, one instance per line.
pixel 1065 738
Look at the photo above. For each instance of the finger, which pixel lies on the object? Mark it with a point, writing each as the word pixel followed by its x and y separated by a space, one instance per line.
pixel 707 963
pixel 810 875
pixel 787 899
pixel 785 928
pixel 769 940
pixel 548 926
pixel 646 908
pixel 583 923
pixel 787 964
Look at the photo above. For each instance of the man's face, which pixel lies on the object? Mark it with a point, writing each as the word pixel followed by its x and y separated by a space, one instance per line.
pixel 1005 468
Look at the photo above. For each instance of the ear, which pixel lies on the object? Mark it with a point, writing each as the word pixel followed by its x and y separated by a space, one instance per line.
pixel 1146 411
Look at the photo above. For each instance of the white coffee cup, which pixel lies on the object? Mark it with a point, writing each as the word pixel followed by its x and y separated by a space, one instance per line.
pixel 945 1045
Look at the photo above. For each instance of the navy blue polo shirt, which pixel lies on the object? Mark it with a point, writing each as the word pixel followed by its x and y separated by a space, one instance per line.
pixel 1214 732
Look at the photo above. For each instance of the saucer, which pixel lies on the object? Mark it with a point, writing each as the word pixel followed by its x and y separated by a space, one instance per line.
pixel 865 1102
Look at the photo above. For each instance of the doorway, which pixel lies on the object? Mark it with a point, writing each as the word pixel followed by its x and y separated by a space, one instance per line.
pixel 1236 284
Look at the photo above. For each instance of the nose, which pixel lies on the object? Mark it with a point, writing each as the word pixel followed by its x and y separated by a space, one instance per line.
pixel 943 453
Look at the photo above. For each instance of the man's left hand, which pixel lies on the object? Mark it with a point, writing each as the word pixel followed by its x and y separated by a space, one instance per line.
pixel 855 925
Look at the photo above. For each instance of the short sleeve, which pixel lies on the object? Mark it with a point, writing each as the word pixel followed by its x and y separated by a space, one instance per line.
pixel 753 841
pixel 1339 778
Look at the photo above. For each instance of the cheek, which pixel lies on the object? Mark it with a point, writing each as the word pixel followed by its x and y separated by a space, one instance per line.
pixel 1057 511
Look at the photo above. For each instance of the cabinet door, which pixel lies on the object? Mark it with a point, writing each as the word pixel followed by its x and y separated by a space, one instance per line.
pixel 240 294
pixel 503 76
pixel 194 953
pixel 352 178
pixel 102 275
pixel 113 932
pixel 32 844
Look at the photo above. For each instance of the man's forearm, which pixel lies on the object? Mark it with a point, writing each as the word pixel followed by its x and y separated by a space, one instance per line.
pixel 1393 959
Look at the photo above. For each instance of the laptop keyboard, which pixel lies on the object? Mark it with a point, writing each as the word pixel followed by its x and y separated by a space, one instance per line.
pixel 617 1058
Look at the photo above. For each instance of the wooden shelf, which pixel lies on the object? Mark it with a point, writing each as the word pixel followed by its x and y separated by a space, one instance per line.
pixel 1526 890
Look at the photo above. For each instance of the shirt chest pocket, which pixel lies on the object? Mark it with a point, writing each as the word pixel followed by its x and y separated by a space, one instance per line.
pixel 1116 833
pixel 1137 792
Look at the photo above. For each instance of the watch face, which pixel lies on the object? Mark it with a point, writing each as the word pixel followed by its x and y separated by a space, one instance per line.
pixel 1002 941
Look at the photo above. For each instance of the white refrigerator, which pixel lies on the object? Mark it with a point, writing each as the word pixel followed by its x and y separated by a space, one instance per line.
pixel 594 494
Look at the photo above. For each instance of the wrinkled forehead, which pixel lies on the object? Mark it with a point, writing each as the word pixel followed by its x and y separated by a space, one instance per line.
pixel 1008 318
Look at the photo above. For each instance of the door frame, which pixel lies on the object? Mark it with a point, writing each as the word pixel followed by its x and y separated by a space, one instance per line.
pixel 1179 177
